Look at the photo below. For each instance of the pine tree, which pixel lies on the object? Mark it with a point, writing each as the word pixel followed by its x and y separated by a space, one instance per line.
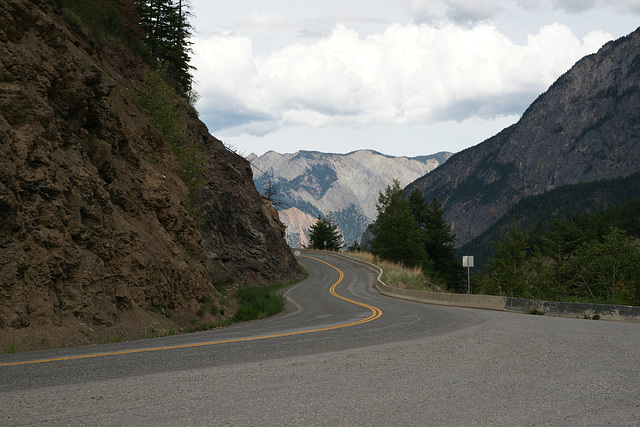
pixel 440 247
pixel 397 234
pixel 505 271
pixel 324 234
pixel 166 33
pixel 418 208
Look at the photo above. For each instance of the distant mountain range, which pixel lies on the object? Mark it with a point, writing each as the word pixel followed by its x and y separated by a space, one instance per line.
pixel 310 183
pixel 584 128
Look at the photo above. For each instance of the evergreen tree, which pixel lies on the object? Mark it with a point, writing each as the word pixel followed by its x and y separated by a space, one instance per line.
pixel 354 247
pixel 439 242
pixel 584 257
pixel 166 34
pixel 559 241
pixel 440 247
pixel 325 230
pixel 504 273
pixel 397 234
pixel 418 207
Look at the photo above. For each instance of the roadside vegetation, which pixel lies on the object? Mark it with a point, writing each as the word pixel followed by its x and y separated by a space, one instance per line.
pixel 588 258
pixel 412 235
pixel 251 303
pixel 162 106
pixel 158 30
pixel 8 348
pixel 324 234
pixel 413 244
pixel 398 275
pixel 577 259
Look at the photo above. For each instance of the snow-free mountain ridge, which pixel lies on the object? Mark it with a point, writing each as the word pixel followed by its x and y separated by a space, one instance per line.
pixel 584 128
pixel 310 183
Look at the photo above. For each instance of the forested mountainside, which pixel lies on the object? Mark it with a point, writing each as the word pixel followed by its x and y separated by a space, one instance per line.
pixel 99 233
pixel 566 202
pixel 308 184
pixel 584 128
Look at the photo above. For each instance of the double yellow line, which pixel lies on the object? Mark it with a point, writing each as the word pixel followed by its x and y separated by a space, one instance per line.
pixel 375 313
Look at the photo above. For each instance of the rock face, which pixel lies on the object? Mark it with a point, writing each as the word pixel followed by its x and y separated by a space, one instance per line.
pixel 94 238
pixel 586 127
pixel 298 224
pixel 345 185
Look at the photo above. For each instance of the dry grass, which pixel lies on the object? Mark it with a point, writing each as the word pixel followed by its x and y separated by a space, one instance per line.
pixel 397 275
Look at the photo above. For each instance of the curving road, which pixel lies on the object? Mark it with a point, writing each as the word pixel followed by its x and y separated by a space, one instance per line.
pixel 342 354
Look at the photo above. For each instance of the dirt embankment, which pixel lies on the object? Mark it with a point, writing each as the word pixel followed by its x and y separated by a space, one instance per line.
pixel 94 240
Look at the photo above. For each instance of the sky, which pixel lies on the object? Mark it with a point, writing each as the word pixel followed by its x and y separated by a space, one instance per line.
pixel 402 77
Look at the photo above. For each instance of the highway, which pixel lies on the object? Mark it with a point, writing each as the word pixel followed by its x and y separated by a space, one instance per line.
pixel 341 355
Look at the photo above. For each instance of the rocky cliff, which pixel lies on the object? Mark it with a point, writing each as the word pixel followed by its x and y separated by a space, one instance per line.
pixel 94 238
pixel 346 185
pixel 585 127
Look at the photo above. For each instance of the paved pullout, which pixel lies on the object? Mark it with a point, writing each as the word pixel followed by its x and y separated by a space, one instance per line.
pixel 416 364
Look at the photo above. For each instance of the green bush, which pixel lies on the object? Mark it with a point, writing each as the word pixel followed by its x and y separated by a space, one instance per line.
pixel 257 303
pixel 160 104
pixel 9 348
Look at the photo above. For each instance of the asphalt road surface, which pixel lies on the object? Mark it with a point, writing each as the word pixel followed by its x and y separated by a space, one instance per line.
pixel 342 355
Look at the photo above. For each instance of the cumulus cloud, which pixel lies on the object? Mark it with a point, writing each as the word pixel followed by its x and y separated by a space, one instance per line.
pixel 408 74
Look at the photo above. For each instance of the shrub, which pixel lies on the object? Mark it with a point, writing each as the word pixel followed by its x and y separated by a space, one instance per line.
pixel 258 302
pixel 160 104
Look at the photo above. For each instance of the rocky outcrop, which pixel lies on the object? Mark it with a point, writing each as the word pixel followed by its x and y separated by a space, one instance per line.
pixel 586 127
pixel 94 238
pixel 345 185
pixel 298 224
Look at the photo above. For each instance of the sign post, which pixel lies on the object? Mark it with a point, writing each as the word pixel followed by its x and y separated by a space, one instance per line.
pixel 467 261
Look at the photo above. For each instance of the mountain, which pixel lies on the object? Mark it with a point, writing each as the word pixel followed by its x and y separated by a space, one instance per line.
pixel 311 183
pixel 585 127
pixel 95 239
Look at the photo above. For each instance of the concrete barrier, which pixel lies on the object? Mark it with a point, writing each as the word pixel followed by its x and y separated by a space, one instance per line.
pixel 573 309
pixel 492 302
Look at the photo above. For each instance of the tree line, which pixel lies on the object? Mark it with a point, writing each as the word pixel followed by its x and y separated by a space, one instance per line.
pixel 408 230
pixel 563 202
pixel 159 30
pixel 592 257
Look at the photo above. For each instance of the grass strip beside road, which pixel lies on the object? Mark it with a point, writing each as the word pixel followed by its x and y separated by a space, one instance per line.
pixel 397 275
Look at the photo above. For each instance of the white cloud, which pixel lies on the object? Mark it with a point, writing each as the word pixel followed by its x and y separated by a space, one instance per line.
pixel 408 74
pixel 423 11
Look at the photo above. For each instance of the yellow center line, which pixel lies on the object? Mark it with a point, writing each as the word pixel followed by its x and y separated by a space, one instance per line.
pixel 375 313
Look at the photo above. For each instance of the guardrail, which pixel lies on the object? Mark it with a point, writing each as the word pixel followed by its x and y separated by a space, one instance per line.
pixel 492 302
